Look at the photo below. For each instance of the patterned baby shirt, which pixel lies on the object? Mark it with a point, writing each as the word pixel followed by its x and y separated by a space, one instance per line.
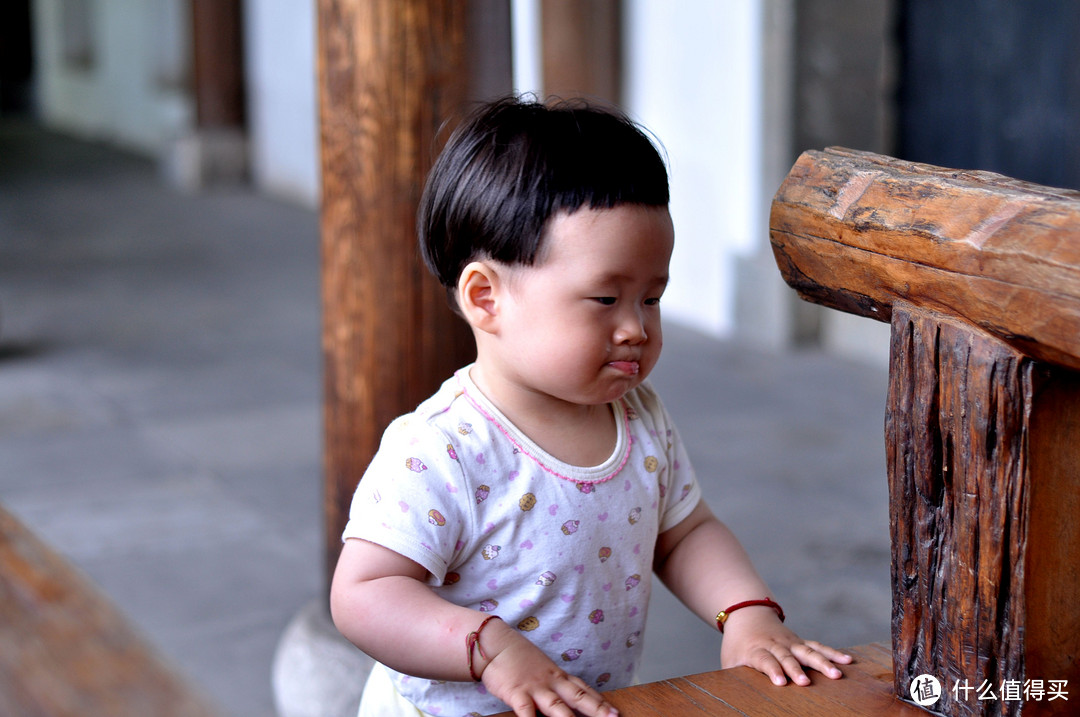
pixel 563 553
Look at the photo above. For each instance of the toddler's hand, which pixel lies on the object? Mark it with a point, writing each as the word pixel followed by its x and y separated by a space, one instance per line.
pixel 522 676
pixel 757 639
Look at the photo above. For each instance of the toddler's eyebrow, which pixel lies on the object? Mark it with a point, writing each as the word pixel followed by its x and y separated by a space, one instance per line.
pixel 660 279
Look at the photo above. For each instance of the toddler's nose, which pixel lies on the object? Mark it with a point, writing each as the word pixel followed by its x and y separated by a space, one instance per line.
pixel 631 329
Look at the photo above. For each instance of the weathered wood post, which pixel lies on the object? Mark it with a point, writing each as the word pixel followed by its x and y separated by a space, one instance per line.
pixel 390 73
pixel 581 43
pixel 980 277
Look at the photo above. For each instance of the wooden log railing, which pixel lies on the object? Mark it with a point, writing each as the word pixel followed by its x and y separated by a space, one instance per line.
pixel 979 276
pixel 65 651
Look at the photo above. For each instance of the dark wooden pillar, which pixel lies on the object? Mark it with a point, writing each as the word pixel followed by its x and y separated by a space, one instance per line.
pixel 391 72
pixel 218 63
pixel 957 419
pixel 983 449
pixel 582 48
pixel 980 277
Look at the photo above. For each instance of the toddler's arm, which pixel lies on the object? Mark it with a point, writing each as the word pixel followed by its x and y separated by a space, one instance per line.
pixel 706 567
pixel 380 602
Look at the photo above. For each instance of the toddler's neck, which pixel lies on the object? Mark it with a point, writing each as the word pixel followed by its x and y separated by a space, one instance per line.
pixel 580 435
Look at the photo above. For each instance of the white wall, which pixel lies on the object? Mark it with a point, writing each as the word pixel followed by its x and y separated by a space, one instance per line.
pixel 132 93
pixel 693 75
pixel 280 52
pixel 135 93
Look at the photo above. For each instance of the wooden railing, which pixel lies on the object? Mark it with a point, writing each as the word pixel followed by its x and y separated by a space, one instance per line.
pixel 65 651
pixel 979 276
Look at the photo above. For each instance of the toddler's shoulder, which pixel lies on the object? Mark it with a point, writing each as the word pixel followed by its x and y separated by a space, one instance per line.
pixel 439 428
pixel 438 412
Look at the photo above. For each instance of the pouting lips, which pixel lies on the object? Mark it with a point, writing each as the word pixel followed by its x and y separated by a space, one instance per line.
pixel 630 368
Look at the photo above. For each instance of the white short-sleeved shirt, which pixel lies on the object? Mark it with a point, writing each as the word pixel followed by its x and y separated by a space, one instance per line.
pixel 563 553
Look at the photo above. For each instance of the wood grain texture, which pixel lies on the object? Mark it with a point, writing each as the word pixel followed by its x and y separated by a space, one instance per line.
pixel 979 276
pixel 858 231
pixel 65 651
pixel 866 689
pixel 984 478
pixel 390 73
pixel 582 48
pixel 1052 568
pixel 956 428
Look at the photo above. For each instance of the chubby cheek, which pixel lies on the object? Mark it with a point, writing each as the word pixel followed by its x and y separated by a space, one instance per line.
pixel 652 351
pixel 560 346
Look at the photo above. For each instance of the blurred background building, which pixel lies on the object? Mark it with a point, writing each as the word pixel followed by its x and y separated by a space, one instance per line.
pixel 734 90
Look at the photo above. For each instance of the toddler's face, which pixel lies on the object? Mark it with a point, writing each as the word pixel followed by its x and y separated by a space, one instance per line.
pixel 583 324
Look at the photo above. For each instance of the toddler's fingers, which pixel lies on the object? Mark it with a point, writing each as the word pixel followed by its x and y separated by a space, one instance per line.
pixel 807 654
pixel 793 667
pixel 554 706
pixel 561 699
pixel 769 665
pixel 587 700
pixel 831 652
pixel 547 702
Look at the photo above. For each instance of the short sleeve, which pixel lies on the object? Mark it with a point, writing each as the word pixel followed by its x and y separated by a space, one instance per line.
pixel 409 498
pixel 683 492
pixel 679 488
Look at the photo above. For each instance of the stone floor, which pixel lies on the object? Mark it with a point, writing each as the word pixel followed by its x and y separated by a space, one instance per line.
pixel 160 418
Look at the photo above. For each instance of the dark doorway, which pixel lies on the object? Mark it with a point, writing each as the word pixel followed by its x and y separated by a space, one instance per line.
pixel 991 85
pixel 16 57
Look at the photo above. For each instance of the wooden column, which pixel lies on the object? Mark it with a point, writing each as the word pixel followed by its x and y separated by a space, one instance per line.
pixel 214 150
pixel 217 63
pixel 391 72
pixel 582 48
pixel 957 418
pixel 980 278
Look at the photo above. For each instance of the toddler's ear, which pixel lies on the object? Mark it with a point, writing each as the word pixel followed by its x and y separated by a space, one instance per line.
pixel 477 295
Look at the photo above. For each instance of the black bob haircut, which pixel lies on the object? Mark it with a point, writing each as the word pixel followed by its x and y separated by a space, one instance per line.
pixel 513 164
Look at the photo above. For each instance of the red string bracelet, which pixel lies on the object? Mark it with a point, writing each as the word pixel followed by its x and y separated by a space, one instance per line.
pixel 473 639
pixel 722 616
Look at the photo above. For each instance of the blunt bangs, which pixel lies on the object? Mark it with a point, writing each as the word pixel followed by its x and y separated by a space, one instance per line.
pixel 512 165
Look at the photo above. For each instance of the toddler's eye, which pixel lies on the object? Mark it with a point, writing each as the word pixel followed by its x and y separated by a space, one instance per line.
pixel 655 301
pixel 605 300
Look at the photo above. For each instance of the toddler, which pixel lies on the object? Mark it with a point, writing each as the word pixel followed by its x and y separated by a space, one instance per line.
pixel 501 544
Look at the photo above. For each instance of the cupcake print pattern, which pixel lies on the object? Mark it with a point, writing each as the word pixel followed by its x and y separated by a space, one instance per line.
pixel 504 531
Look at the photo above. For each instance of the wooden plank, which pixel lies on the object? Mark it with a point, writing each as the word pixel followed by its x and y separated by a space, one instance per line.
pixel 66 651
pixel 865 689
pixel 858 231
